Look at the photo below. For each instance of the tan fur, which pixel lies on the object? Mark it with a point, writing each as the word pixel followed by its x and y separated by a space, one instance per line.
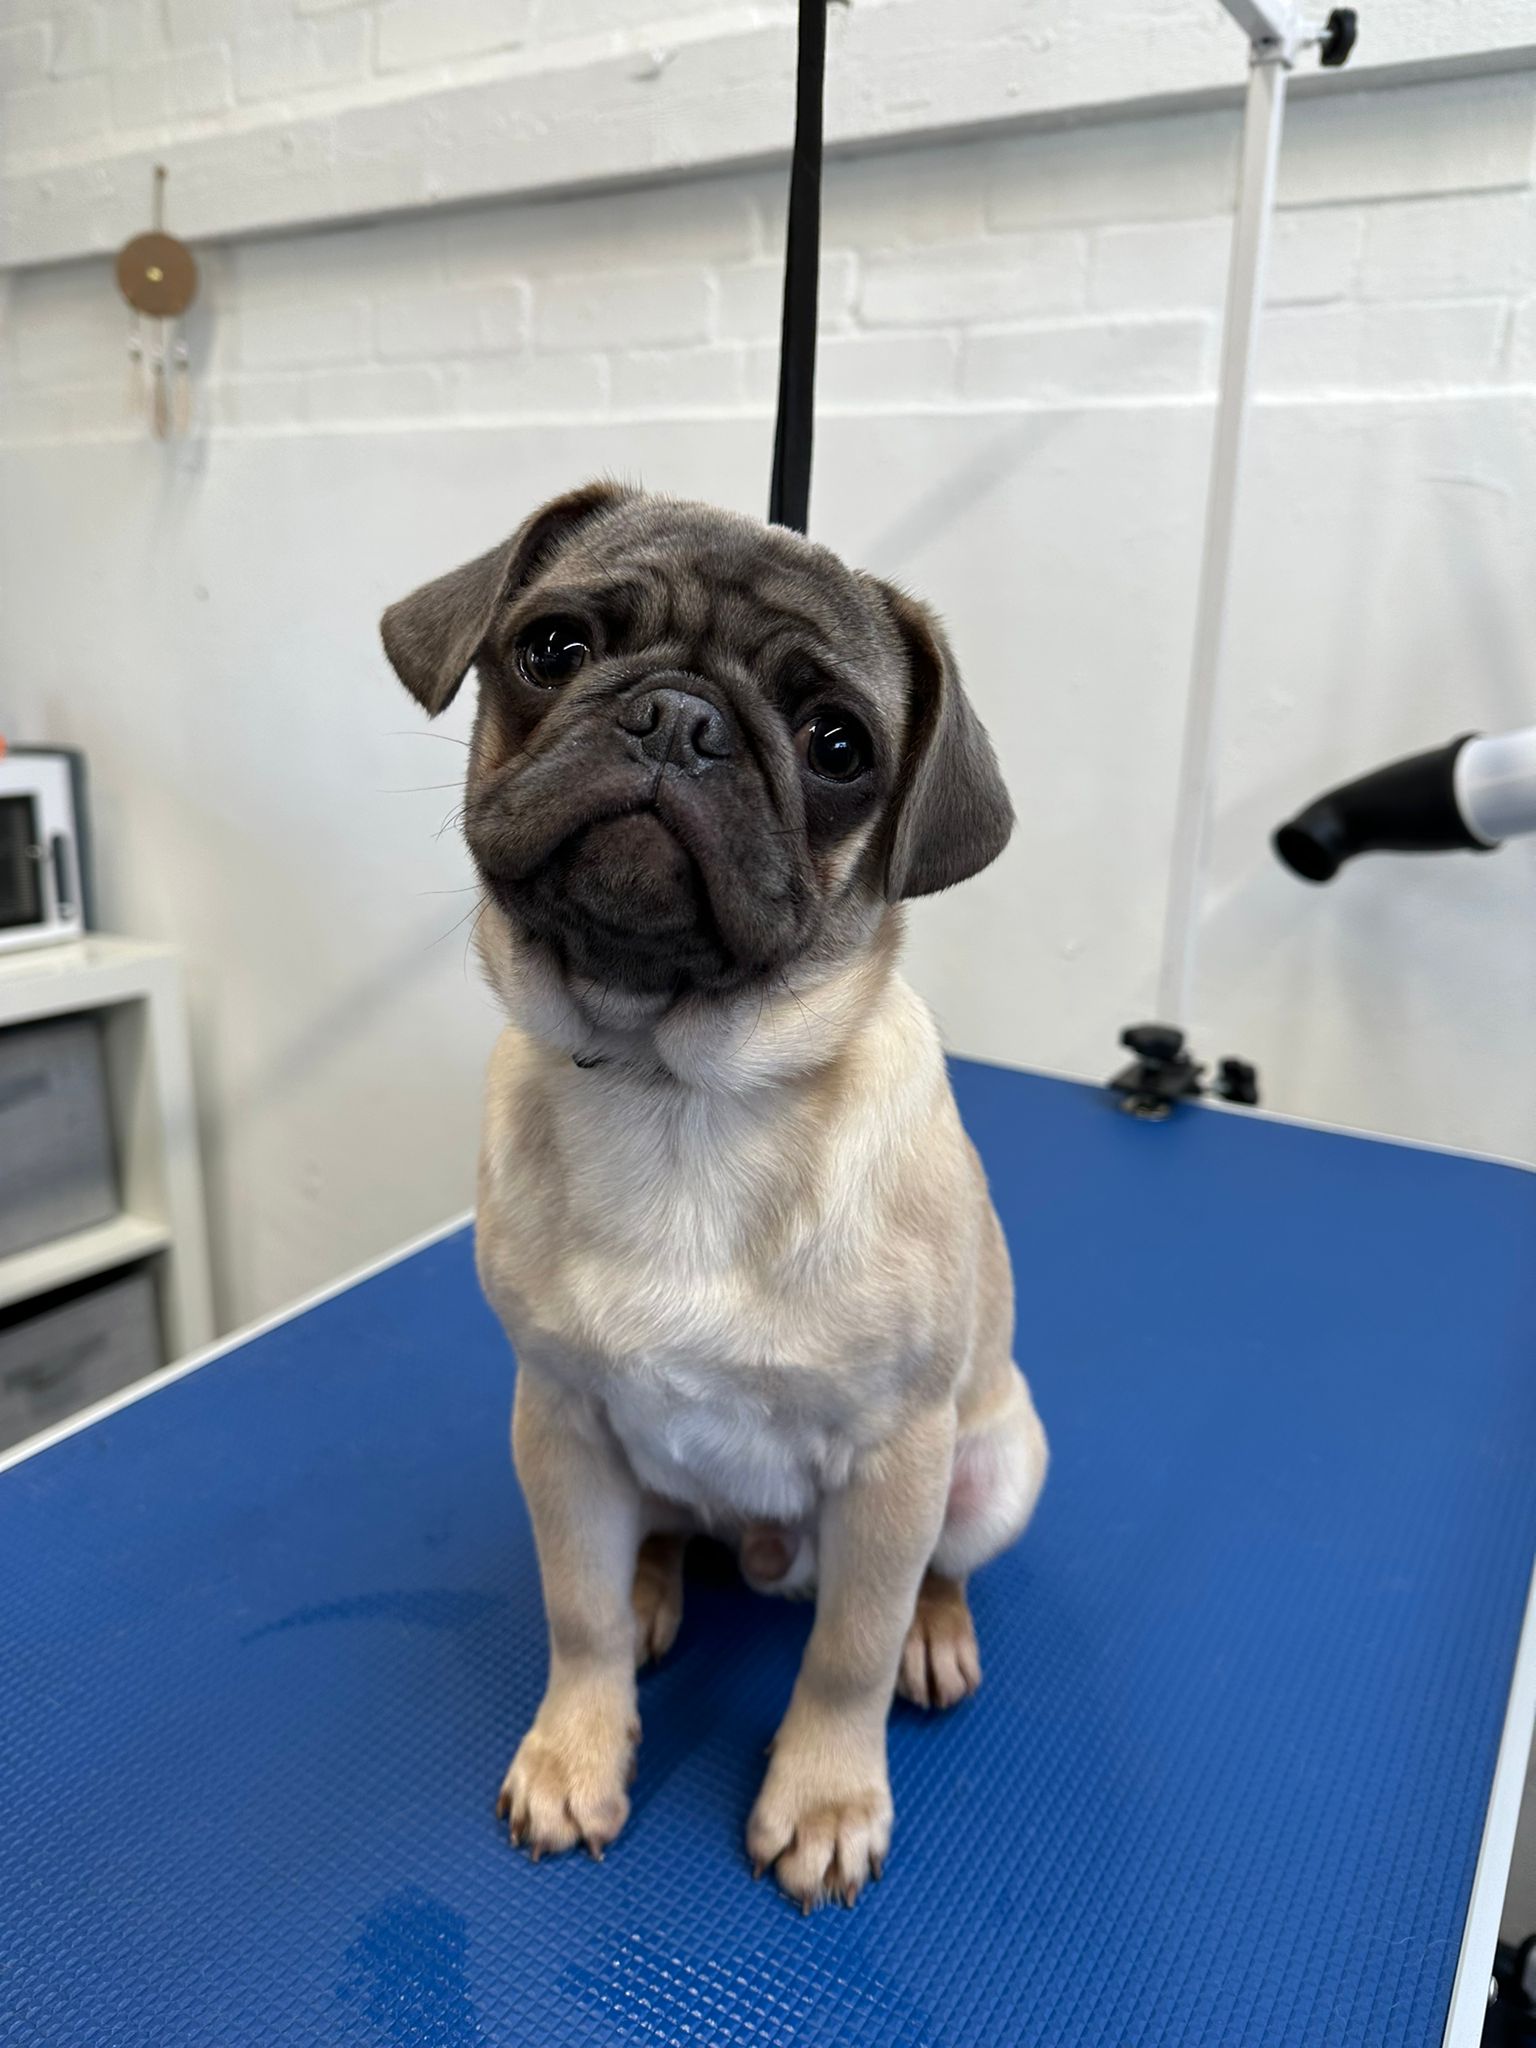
pixel 775 1295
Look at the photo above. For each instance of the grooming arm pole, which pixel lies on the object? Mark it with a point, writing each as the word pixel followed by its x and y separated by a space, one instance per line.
pixel 1263 117
pixel 1164 1071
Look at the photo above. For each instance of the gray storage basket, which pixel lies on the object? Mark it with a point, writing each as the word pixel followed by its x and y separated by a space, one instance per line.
pixel 75 1348
pixel 57 1172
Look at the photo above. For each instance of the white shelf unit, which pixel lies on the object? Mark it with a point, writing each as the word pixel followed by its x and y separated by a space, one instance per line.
pixel 134 989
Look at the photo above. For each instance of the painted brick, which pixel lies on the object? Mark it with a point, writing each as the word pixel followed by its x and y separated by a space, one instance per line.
pixel 1449 248
pixel 1522 342
pixel 1313 255
pixel 72 412
pixel 387 259
pixel 571 18
pixel 55 116
pixel 1470 135
pixel 1175 168
pixel 381 157
pixel 77 200
pixel 66 326
pixel 416 32
pixel 672 380
pixel 292 333
pixel 637 309
pixel 134 29
pixel 1159 265
pixel 713 220
pixel 529 387
pixel 1398 347
pixel 454 323
pixel 79 40
pixel 856 372
pixel 1001 278
pixel 750 296
pixel 249 175
pixel 177 87
pixel 200 22
pixel 23 55
pixel 1089 359
pixel 377 392
pixel 302 56
pixel 760 374
pixel 269 399
pixel 900 199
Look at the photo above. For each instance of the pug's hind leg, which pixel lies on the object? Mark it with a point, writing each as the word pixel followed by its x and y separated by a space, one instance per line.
pixel 940 1663
pixel 657 1596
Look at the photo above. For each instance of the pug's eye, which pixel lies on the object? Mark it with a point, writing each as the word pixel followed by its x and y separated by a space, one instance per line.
pixel 835 746
pixel 552 652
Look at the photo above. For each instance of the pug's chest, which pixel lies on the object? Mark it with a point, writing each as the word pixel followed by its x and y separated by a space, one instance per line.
pixel 726 1398
pixel 715 1443
pixel 730 1310
pixel 731 1391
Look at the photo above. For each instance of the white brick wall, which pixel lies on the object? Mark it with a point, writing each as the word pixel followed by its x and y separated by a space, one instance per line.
pixel 408 102
pixel 179 86
pixel 417 32
pixel 1067 268
pixel 294 57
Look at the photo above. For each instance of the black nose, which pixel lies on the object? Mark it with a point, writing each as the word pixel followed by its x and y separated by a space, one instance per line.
pixel 678 727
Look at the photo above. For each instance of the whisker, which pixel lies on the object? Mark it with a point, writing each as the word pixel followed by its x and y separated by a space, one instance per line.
pixel 762 998
pixel 811 1015
pixel 456 926
pixel 473 933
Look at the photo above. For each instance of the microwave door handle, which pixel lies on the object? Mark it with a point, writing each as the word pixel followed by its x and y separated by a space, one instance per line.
pixel 63 883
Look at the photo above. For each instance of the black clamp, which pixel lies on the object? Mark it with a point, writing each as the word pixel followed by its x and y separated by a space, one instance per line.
pixel 1164 1073
pixel 1340 35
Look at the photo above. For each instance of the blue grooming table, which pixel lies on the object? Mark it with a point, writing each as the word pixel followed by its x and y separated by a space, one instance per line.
pixel 269 1637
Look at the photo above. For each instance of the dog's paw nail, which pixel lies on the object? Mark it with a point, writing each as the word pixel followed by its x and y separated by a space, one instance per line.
pixel 595 1851
pixel 536 1852
pixel 850 1893
pixel 759 1865
pixel 877 1868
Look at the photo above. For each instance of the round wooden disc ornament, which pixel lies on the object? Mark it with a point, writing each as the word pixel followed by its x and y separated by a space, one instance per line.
pixel 157 275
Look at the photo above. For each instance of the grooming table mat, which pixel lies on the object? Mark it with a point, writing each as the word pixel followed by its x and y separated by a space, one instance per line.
pixel 271 1634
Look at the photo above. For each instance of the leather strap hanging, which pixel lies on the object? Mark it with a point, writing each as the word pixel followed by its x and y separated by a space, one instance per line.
pixel 789 493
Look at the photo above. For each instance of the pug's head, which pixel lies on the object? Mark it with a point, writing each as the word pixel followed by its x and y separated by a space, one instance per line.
pixel 705 750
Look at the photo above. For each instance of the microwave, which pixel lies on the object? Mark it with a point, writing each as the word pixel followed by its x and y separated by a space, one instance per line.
pixel 44 847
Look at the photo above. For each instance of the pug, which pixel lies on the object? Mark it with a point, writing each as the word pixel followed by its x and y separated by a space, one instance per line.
pixel 740 1243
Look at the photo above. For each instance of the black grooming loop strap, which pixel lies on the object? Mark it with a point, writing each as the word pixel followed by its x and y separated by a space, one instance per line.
pixel 789 495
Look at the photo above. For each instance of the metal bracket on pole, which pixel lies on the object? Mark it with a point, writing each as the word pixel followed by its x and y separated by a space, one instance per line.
pixel 1277 31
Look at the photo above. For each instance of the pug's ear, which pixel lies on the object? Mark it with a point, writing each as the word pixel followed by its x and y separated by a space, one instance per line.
pixel 432 636
pixel 951 815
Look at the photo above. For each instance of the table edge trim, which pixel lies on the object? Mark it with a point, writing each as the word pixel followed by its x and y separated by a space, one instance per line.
pixel 1490 1879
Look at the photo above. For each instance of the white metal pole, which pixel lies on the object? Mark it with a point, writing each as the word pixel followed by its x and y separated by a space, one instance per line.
pixel 1263 115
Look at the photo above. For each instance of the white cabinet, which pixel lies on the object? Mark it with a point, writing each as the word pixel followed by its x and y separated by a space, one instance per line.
pixel 134 990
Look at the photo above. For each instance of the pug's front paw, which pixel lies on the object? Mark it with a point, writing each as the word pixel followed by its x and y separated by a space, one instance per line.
pixel 568 1782
pixel 823 1818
